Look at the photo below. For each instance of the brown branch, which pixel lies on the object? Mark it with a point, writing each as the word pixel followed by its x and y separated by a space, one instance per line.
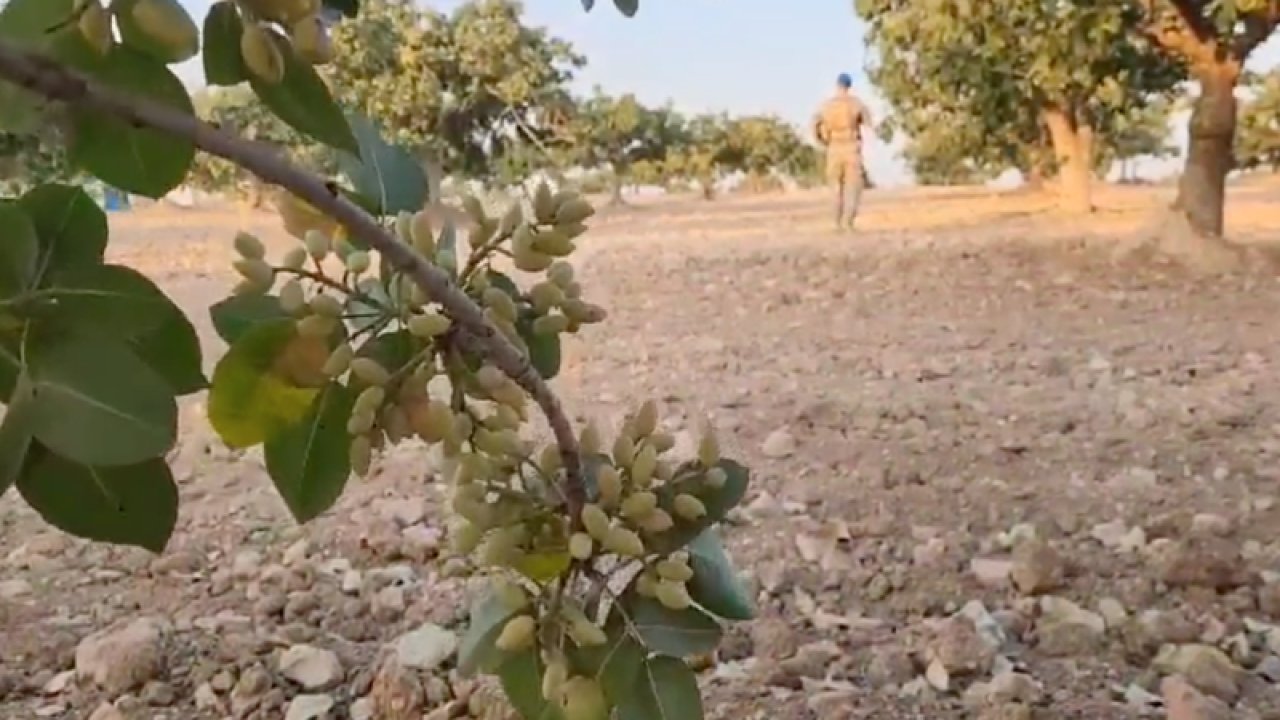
pixel 1258 26
pixel 52 80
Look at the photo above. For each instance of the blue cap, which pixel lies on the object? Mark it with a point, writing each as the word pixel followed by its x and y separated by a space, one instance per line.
pixel 844 80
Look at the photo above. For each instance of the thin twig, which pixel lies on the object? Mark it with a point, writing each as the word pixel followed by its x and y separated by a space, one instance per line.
pixel 53 80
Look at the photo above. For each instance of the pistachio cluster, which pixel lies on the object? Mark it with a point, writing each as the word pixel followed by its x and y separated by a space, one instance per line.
pixel 478 417
pixel 263 48
pixel 160 28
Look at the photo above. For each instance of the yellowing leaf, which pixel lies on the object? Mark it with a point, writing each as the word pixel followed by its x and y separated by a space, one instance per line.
pixel 249 402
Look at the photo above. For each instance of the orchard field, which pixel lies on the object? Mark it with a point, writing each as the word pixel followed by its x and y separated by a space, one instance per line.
pixel 969 372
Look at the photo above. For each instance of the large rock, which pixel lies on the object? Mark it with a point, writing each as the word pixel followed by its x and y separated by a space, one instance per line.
pixel 1207 668
pixel 123 657
pixel 311 667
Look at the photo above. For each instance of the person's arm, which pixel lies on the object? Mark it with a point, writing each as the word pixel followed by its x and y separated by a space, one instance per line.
pixel 816 126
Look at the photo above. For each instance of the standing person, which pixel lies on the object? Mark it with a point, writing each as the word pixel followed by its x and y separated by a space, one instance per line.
pixel 838 126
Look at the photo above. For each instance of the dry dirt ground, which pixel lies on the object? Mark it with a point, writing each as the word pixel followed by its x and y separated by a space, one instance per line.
pixel 997 474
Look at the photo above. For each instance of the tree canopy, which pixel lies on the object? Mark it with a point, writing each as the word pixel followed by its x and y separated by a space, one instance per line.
pixel 1015 76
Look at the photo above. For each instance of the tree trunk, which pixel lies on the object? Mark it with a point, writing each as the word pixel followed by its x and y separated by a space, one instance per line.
pixel 1073 149
pixel 615 197
pixel 1211 134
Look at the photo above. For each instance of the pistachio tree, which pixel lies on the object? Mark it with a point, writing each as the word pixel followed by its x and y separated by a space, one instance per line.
pixel 1014 68
pixel 388 321
pixel 1213 39
pixel 619 131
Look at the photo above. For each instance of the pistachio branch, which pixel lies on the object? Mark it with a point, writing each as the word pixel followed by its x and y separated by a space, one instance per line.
pixel 48 78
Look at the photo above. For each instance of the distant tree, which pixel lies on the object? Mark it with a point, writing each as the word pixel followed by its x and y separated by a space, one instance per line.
pixel 1011 75
pixel 1143 132
pixel 1213 38
pixel 618 132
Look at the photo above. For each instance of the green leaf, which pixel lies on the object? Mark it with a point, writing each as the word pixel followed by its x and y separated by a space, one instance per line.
pixel 678 633
pixel 19 250
pixel 614 664
pixel 588 4
pixel 10 365
pixel 476 650
pixel 627 7
pixel 521 677
pixel 250 402
pixel 106 300
pixel 715 584
pixel 172 349
pixel 364 315
pixel 237 314
pixel 223 63
pixel 309 462
pixel 392 350
pixel 127 156
pixel 97 403
pixel 47 26
pixel 666 689
pixel 72 228
pixel 127 505
pixel 387 174
pixel 304 102
pixel 15 435
pixel 717 501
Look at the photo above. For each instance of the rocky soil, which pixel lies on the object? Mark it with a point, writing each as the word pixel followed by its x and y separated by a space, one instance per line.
pixel 996 475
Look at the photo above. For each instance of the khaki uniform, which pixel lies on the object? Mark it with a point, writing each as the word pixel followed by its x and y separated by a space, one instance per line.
pixel 838 125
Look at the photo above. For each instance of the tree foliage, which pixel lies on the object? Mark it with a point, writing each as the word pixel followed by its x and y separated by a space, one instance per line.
pixel 1258 139
pixel 1013 76
pixel 376 327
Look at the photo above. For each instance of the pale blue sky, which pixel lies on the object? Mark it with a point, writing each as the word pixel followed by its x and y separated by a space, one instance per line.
pixel 757 56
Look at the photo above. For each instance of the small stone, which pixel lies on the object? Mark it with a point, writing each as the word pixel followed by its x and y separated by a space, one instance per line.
pixel 158 694
pixel 889 665
pixel 1117 536
pixel 779 444
pixel 961 649
pixel 296 553
pixel 388 604
pixel 425 648
pixel 105 711
pixel 123 657
pixel 937 676
pixel 1009 686
pixel 222 681
pixel 1209 562
pixel 1184 702
pixel 1037 568
pixel 14 589
pixel 177 562
pixel 1112 612
pixel 51 711
pixel 59 683
pixel 1065 629
pixel 1269 668
pixel 311 667
pixel 1210 524
pixel 419 542
pixel 1207 668
pixel 1269 599
pixel 362 709
pixel 352 581
pixel 929 553
pixel 207 698
pixel 309 707
pixel 246 564
pixel 992 572
pixel 773 638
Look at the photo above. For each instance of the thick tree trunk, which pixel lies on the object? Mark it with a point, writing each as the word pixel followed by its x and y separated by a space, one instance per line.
pixel 1211 133
pixel 1073 149
pixel 615 197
